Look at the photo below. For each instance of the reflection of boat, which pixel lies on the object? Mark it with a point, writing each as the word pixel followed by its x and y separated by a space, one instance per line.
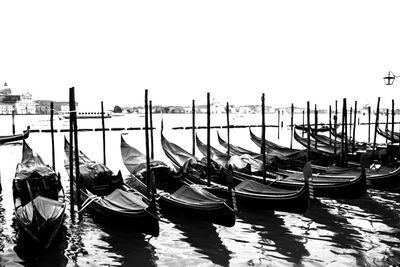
pixel 86 114
pixel 39 199
pixel 15 137
pixel 109 197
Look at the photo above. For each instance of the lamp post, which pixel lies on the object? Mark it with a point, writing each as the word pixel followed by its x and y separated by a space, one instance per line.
pixel 389 80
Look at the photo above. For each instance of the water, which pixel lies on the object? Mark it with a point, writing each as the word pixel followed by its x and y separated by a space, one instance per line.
pixel 363 232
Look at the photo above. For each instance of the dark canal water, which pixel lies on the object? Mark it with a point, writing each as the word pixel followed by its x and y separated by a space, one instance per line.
pixel 363 232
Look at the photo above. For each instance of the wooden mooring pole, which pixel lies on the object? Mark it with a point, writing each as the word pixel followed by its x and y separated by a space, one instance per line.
pixel 354 128
pixel 369 124
pixel 193 127
pixel 227 128
pixel 13 121
pixel 291 126
pixel 376 127
pixel 392 134
pixel 316 126
pixel 308 132
pixel 151 130
pixel 330 125
pixel 208 141
pixel 52 135
pixel 146 132
pixel 104 133
pixel 264 159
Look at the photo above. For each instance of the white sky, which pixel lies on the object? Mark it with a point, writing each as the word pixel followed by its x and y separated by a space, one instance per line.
pixel 291 50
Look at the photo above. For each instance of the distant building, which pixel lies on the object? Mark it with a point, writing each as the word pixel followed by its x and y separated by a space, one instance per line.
pixel 25 105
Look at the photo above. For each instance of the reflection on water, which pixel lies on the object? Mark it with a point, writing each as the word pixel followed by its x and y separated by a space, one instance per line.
pixel 363 232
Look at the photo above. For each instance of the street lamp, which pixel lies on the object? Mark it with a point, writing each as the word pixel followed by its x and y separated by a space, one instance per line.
pixel 389 80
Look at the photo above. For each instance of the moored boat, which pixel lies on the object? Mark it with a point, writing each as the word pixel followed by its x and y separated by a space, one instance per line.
pixel 111 199
pixel 39 199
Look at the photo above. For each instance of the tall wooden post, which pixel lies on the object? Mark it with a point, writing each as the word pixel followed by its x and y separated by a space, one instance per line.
pixel 13 121
pixel 53 160
pixel 227 127
pixel 308 132
pixel 151 130
pixel 146 133
pixel 302 132
pixel 73 115
pixel 291 126
pixel 279 122
pixel 193 127
pixel 104 133
pixel 351 123
pixel 208 141
pixel 392 135
pixel 343 139
pixel 71 157
pixel 330 125
pixel 354 127
pixel 376 127
pixel 369 124
pixel 315 126
pixel 264 158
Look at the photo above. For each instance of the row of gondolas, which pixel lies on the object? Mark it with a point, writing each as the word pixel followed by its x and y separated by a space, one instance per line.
pixel 197 189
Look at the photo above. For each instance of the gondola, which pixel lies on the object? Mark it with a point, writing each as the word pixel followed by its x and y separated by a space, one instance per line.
pixel 111 199
pixel 39 200
pixel 247 191
pixel 16 137
pixel 378 176
pixel 393 137
pixel 175 193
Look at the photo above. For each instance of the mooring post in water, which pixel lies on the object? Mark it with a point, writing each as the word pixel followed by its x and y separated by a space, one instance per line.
pixel 302 132
pixel 369 124
pixel 346 140
pixel 330 125
pixel 342 139
pixel 227 128
pixel 208 142
pixel 52 135
pixel 263 136
pixel 151 130
pixel 354 128
pixel 351 123
pixel 193 127
pixel 13 121
pixel 76 154
pixel 279 122
pixel 104 133
pixel 392 134
pixel 335 133
pixel 376 127
pixel 387 123
pixel 146 133
pixel 291 126
pixel 308 132
pixel 71 155
pixel 315 126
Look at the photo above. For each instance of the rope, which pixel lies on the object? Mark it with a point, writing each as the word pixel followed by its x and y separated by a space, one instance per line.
pixel 88 201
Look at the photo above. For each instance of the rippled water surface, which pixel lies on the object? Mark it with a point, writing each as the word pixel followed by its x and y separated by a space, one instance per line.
pixel 363 232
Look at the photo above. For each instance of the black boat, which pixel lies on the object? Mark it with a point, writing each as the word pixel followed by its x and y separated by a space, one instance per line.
pixel 393 137
pixel 16 137
pixel 247 191
pixel 111 199
pixel 175 193
pixel 336 183
pixel 39 199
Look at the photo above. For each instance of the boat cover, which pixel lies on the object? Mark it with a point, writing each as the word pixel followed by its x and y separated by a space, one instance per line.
pixel 48 209
pixel 254 187
pixel 124 201
pixel 196 196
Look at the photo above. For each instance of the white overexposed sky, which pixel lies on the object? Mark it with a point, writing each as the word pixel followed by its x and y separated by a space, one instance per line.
pixel 291 50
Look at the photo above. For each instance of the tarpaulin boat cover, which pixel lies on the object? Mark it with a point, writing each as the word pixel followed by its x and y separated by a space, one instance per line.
pixel 124 201
pixel 254 187
pixel 48 208
pixel 196 196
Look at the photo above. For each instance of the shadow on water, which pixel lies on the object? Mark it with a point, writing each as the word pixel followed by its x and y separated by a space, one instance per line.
pixel 33 255
pixel 274 236
pixel 133 248
pixel 344 237
pixel 203 237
